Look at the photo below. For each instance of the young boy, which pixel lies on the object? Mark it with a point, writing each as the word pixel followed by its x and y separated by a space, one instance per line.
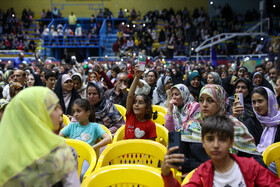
pixel 50 78
pixel 224 169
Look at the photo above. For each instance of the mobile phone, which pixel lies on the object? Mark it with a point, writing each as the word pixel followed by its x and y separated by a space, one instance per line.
pixel 174 139
pixel 239 97
pixel 233 79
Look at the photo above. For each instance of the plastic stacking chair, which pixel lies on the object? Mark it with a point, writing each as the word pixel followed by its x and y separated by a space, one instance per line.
pixel 84 152
pixel 66 120
pixel 162 134
pixel 272 154
pixel 159 108
pixel 122 110
pixel 188 177
pixel 142 152
pixel 119 135
pixel 123 176
pixel 160 119
pixel 98 140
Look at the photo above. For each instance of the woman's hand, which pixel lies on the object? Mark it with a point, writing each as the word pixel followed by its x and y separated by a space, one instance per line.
pixel 170 159
pixel 170 106
pixel 137 72
pixel 237 109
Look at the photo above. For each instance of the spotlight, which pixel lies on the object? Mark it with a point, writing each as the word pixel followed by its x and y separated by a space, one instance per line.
pixel 211 2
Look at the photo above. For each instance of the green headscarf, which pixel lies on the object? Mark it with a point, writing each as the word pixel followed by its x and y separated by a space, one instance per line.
pixel 31 154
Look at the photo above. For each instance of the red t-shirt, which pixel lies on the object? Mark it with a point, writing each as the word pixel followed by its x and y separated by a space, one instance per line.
pixel 135 129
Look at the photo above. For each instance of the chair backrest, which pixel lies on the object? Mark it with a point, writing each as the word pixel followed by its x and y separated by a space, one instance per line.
pixel 119 135
pixel 188 177
pixel 142 152
pixel 122 110
pixel 272 154
pixel 66 120
pixel 160 119
pixel 124 175
pixel 98 140
pixel 159 108
pixel 84 152
pixel 162 134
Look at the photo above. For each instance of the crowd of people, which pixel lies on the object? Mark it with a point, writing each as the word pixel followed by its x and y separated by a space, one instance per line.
pixel 191 92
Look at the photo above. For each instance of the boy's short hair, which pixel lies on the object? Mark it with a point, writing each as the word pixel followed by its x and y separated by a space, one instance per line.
pixel 223 125
pixel 49 73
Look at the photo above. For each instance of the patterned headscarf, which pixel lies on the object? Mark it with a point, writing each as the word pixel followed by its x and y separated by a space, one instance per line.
pixel 189 106
pixel 243 140
pixel 218 94
pixel 271 121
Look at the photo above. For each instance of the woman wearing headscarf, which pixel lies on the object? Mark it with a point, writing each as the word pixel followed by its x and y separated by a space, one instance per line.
pixel 212 102
pixel 151 79
pixel 214 78
pixel 258 80
pixel 79 84
pixel 182 107
pixel 34 80
pixel 194 81
pixel 66 93
pixel 105 111
pixel 265 126
pixel 37 157
pixel 15 88
pixel 164 83
pixel 245 87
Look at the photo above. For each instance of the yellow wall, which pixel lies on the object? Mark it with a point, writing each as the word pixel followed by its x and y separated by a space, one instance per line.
pixel 113 5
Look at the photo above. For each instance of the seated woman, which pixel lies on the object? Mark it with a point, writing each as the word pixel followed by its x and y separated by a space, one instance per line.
pixel 194 81
pixel 214 78
pixel 151 79
pixel 265 126
pixel 79 84
pixel 38 157
pixel 259 80
pixel 66 93
pixel 181 108
pixel 105 111
pixel 243 86
pixel 212 102
pixel 159 95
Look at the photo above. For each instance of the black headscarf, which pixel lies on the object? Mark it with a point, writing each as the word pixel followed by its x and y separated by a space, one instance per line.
pixel 74 95
pixel 38 80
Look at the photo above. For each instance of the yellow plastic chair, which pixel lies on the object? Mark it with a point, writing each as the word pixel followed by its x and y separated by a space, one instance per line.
pixel 188 177
pixel 160 119
pixel 119 135
pixel 122 110
pixel 159 109
pixel 84 152
pixel 162 134
pixel 98 140
pixel 142 152
pixel 124 176
pixel 272 154
pixel 66 120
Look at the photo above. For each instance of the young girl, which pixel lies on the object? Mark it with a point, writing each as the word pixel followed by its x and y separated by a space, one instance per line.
pixel 85 130
pixel 139 113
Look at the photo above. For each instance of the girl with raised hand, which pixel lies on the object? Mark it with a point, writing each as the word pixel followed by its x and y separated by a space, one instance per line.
pixel 139 113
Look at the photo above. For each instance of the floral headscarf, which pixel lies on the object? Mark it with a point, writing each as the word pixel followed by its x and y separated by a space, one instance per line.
pixel 243 140
pixel 189 107
pixel 271 121
pixel 218 94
